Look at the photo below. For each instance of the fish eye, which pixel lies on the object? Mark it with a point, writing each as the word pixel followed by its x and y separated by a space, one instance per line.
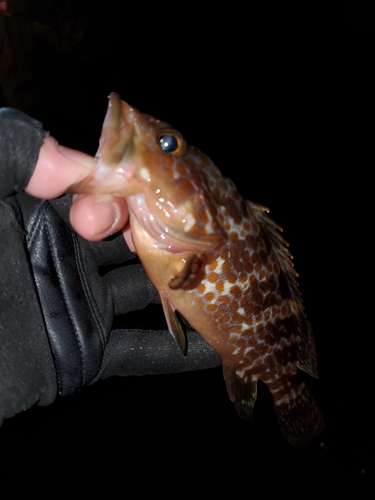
pixel 169 143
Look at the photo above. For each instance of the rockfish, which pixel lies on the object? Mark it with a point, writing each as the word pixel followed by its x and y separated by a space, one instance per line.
pixel 217 259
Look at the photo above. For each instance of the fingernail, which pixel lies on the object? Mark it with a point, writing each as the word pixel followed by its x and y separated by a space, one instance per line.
pixel 105 217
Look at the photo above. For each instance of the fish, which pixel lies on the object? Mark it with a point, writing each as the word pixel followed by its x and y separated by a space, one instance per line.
pixel 217 260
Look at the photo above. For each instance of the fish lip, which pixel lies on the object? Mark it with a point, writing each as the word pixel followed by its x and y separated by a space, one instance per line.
pixel 118 130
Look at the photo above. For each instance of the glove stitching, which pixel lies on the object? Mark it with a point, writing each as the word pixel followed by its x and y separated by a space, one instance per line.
pixel 35 224
pixel 71 316
pixel 87 289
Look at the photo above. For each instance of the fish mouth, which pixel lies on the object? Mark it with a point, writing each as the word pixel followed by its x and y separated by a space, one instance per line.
pixel 169 237
pixel 117 131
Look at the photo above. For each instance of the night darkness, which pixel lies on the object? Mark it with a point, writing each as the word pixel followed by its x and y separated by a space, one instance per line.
pixel 279 98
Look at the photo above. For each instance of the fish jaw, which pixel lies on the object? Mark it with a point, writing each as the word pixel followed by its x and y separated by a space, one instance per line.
pixel 168 194
pixel 163 235
pixel 115 164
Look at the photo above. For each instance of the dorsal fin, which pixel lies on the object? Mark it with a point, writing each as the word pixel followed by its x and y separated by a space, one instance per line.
pixel 304 336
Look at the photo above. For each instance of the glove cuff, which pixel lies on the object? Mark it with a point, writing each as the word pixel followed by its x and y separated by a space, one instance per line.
pixel 21 140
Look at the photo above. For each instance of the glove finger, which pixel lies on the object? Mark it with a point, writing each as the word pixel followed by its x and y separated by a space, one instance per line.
pixel 130 289
pixel 146 352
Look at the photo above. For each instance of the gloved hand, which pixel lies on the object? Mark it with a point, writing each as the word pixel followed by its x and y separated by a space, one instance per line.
pixel 60 295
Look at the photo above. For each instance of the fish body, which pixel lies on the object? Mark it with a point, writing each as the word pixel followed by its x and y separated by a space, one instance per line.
pixel 217 259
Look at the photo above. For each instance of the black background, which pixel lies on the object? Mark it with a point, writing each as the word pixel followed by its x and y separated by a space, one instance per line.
pixel 280 98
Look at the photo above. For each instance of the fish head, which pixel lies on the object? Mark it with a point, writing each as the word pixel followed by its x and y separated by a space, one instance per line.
pixel 167 183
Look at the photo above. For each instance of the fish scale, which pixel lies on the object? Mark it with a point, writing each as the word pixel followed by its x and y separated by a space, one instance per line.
pixel 216 258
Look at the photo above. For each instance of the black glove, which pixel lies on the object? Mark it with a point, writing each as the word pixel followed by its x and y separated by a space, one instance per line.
pixel 60 296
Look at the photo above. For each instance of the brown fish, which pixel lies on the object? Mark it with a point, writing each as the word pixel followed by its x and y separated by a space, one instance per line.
pixel 217 259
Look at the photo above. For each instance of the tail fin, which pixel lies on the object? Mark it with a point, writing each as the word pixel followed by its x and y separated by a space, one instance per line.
pixel 299 416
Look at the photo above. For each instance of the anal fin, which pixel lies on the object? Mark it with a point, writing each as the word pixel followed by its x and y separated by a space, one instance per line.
pixel 242 390
pixel 174 325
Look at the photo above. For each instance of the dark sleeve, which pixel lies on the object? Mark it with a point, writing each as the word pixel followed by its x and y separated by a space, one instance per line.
pixel 20 138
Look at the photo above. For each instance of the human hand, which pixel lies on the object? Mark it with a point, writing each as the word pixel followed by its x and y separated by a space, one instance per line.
pixel 94 217
pixel 65 301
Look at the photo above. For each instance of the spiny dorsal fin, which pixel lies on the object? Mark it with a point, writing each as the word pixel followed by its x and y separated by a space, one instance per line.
pixel 242 391
pixel 304 336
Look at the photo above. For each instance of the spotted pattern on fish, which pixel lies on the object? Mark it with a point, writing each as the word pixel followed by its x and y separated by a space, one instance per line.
pixel 216 258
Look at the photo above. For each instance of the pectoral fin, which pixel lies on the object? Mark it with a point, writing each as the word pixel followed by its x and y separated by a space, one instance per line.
pixel 187 277
pixel 174 324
